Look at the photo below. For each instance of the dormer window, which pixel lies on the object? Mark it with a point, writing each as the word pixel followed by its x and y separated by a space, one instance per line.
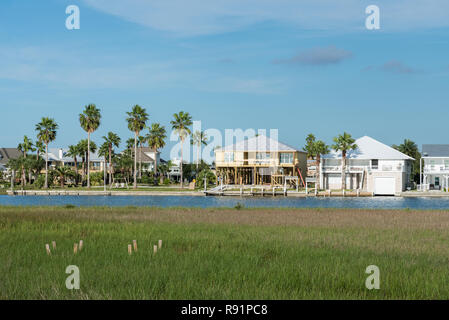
pixel 375 164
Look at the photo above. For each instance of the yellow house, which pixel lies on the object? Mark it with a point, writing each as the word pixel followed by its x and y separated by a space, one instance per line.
pixel 260 160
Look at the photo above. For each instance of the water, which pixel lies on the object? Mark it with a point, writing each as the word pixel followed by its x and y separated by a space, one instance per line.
pixel 205 202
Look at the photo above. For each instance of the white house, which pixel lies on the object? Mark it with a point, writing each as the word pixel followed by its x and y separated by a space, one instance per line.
pixel 372 167
pixel 434 167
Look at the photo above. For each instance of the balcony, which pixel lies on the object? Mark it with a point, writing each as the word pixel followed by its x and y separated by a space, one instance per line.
pixel 436 169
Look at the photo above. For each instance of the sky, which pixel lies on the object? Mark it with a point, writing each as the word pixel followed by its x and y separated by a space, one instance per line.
pixel 297 66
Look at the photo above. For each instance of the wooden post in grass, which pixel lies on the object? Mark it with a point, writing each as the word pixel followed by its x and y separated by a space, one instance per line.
pixel 130 251
pixel 81 244
pixel 47 248
pixel 75 248
pixel 135 245
pixel 53 243
pixel 160 244
pixel 155 249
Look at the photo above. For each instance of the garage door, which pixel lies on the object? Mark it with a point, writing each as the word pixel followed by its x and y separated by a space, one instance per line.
pixel 384 186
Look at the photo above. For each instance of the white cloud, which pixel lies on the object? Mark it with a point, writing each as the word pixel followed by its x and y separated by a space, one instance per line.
pixel 200 17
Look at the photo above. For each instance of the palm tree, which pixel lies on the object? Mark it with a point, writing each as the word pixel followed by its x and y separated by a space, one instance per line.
pixel 199 138
pixel 25 147
pixel 320 148
pixel 156 140
pixel 410 148
pixel 137 119
pixel 104 152
pixel 181 127
pixel 63 173
pixel 89 121
pixel 112 140
pixel 344 143
pixel 82 147
pixel 310 146
pixel 140 142
pixel 40 148
pixel 315 148
pixel 46 133
pixel 73 153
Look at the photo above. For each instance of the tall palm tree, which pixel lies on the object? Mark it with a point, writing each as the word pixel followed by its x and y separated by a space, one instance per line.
pixel 89 121
pixel 344 143
pixel 181 125
pixel 73 153
pixel 25 147
pixel 320 149
pixel 46 133
pixel 112 140
pixel 199 138
pixel 137 120
pixel 82 147
pixel 140 142
pixel 156 140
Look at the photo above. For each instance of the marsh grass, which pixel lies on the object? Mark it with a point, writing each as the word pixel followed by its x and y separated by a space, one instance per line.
pixel 220 253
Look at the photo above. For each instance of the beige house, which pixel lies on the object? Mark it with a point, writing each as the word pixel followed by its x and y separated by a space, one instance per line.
pixel 260 160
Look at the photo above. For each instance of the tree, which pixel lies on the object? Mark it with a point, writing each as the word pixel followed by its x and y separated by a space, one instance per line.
pixel 140 142
pixel 25 147
pixel 63 172
pixel 156 140
pixel 199 138
pixel 73 153
pixel 310 146
pixel 137 119
pixel 40 148
pixel 46 133
pixel 104 152
pixel 89 121
pixel 344 143
pixel 410 148
pixel 181 125
pixel 315 148
pixel 82 147
pixel 112 140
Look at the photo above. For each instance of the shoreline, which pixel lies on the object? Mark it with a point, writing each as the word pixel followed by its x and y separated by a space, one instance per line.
pixel 337 194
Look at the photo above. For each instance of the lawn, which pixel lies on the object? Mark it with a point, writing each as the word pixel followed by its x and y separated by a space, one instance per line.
pixel 224 253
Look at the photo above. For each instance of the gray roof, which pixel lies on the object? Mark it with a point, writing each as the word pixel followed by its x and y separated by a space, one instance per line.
pixel 8 153
pixel 435 150
pixel 369 148
pixel 260 143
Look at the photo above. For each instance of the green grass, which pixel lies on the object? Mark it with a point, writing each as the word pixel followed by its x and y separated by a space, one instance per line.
pixel 224 253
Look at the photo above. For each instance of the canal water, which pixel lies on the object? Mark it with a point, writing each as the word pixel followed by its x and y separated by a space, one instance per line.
pixel 252 202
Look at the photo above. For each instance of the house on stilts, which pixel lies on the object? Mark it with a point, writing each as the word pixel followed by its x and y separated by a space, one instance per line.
pixel 260 160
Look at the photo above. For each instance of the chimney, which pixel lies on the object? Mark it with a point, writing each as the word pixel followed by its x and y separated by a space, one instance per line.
pixel 60 155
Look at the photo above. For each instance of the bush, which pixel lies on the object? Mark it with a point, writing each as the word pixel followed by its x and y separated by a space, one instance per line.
pixel 40 181
pixel 208 174
pixel 96 178
pixel 167 181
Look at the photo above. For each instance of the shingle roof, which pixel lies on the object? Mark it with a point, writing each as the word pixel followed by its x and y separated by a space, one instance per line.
pixel 369 148
pixel 435 150
pixel 8 153
pixel 260 143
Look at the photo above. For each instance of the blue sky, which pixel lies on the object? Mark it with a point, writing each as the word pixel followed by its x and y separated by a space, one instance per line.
pixel 297 66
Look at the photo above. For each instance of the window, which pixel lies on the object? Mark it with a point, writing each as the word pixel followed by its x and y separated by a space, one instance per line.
pixel 229 157
pixel 374 164
pixel 262 156
pixel 286 157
